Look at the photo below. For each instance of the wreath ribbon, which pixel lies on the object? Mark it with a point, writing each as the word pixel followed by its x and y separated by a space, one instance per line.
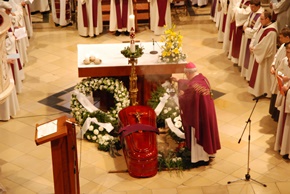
pixel 174 129
pixel 83 99
pixel 108 126
pixel 161 104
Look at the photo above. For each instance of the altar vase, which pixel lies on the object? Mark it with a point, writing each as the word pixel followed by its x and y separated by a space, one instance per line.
pixel 90 18
pixel 160 16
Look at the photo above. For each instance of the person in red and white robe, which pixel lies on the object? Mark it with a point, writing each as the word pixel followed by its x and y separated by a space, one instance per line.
pixel 283 129
pixel 61 12
pixel 160 16
pixel 90 19
pixel 263 47
pixel 120 10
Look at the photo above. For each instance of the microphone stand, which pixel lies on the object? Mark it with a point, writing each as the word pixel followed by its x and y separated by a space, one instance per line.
pixel 154 51
pixel 248 176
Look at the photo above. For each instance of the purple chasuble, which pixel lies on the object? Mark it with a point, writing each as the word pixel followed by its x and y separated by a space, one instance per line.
pixel 198 111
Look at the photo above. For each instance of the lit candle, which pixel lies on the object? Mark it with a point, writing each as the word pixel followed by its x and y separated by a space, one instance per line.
pixel 131 21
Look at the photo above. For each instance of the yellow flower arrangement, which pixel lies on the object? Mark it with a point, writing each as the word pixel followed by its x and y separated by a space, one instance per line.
pixel 171 50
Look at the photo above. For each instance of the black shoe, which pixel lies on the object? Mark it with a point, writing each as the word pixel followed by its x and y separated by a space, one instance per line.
pixel 195 5
pixel 203 6
pixel 127 33
pixel 117 33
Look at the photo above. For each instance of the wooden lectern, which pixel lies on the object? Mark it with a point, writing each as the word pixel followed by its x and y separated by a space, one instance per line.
pixel 64 154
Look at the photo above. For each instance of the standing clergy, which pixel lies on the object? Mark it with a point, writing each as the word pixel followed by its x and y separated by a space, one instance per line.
pixel 61 12
pixel 283 129
pixel 250 27
pixel 90 19
pixel 284 38
pixel 160 15
pixel 198 115
pixel 120 10
pixel 241 13
pixel 282 9
pixel 263 47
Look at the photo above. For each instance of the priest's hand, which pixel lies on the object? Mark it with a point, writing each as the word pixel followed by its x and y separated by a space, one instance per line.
pixel 272 70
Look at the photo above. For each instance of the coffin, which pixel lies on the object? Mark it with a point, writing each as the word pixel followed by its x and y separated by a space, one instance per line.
pixel 138 133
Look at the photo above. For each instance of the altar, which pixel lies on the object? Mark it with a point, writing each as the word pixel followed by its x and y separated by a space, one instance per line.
pixel 149 69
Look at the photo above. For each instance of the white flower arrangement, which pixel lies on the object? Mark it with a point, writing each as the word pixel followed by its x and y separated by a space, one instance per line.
pixel 95 132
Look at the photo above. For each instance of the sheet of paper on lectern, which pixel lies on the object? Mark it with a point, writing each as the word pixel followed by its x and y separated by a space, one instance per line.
pixel 47 129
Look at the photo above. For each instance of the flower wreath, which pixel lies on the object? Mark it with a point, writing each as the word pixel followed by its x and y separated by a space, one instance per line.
pixel 165 102
pixel 102 126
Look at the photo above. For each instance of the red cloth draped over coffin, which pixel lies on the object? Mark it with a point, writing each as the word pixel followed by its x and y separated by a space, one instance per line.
pixel 138 136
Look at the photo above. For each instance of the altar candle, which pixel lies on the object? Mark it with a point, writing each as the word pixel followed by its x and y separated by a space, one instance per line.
pixel 132 46
pixel 131 21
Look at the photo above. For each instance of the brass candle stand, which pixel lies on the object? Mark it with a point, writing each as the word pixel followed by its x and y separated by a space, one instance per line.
pixel 133 82
pixel 133 52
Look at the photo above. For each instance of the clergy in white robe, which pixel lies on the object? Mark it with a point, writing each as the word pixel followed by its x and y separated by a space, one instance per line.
pixel 251 25
pixel 282 9
pixel 223 9
pixel 90 19
pixel 228 28
pixel 61 12
pixel 160 16
pixel 284 38
pixel 199 3
pixel 26 16
pixel 40 5
pixel 263 47
pixel 241 12
pixel 120 10
pixel 283 129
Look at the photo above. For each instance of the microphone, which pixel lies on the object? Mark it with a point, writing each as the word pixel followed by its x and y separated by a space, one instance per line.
pixel 154 51
pixel 261 96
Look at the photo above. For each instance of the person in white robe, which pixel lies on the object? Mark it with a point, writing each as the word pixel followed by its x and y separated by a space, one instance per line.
pixel 18 22
pixel 199 3
pixel 284 38
pixel 10 106
pixel 282 9
pixel 90 19
pixel 263 47
pixel 120 10
pixel 61 12
pixel 26 16
pixel 241 12
pixel 283 129
pixel 39 6
pixel 221 23
pixel 250 27
pixel 160 16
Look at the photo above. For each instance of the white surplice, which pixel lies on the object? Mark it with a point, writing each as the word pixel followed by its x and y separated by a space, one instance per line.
pixel 62 20
pixel 113 16
pixel 282 8
pixel 263 52
pixel 90 30
pixel 154 17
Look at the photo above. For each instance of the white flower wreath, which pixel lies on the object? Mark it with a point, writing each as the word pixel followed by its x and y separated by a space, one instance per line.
pixel 95 131
pixel 165 102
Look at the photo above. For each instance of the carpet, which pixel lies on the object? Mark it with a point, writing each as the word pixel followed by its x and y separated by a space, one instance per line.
pixel 61 100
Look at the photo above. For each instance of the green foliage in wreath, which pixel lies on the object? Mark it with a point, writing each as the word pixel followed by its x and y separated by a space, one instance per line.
pixel 95 133
pixel 128 54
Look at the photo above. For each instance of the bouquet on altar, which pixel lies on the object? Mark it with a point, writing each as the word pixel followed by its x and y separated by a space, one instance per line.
pixel 171 51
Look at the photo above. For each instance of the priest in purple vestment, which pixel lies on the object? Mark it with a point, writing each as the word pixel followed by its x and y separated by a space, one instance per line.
pixel 198 115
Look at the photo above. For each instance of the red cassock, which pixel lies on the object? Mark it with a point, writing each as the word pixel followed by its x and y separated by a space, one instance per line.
pixel 139 140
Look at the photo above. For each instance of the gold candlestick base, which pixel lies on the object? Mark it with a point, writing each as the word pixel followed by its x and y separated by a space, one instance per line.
pixel 133 82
